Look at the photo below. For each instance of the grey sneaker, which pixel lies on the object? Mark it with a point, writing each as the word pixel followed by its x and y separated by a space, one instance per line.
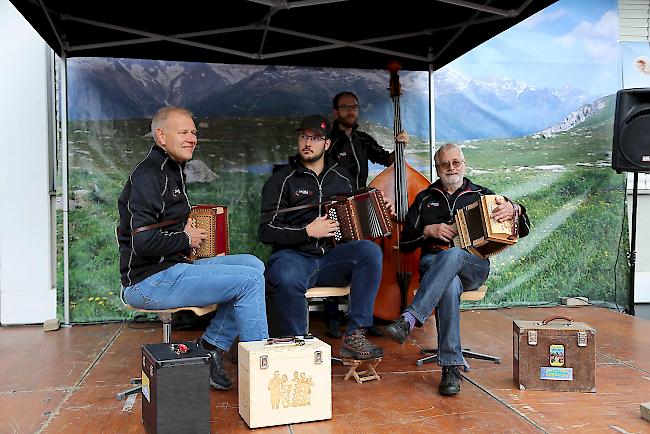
pixel 357 347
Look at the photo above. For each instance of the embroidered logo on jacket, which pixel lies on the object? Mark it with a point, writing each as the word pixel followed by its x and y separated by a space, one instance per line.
pixel 343 154
pixel 432 204
pixel 176 192
pixel 303 192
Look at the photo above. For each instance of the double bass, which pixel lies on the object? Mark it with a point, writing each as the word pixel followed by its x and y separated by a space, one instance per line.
pixel 399 183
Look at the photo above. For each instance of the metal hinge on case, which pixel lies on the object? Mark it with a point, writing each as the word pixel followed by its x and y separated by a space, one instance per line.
pixel 318 357
pixel 582 339
pixel 532 337
pixel 264 362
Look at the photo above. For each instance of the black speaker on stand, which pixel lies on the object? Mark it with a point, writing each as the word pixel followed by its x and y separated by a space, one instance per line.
pixel 631 153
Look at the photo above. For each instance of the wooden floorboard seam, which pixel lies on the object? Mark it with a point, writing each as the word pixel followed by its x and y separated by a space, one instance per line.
pixel 504 403
pixel 83 376
pixel 622 362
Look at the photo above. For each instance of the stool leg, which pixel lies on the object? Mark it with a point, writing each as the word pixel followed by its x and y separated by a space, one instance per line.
pixel 166 319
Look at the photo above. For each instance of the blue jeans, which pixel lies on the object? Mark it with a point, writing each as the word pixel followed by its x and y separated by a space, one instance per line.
pixel 234 282
pixel 444 276
pixel 290 273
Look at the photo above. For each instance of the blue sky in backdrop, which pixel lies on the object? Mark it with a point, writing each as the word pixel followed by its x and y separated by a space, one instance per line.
pixel 571 43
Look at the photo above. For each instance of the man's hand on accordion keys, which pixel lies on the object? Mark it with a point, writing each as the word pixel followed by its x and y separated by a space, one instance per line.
pixel 196 235
pixel 322 227
pixel 440 231
pixel 504 211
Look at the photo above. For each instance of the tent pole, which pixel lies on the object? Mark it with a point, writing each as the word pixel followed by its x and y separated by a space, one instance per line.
pixel 65 189
pixel 432 122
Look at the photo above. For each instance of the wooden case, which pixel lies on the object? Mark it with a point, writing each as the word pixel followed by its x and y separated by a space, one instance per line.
pixel 554 356
pixel 283 381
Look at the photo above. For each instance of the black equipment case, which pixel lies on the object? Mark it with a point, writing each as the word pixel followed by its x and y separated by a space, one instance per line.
pixel 175 389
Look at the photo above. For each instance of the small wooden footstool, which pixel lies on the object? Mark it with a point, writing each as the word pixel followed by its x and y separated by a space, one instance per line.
pixel 366 375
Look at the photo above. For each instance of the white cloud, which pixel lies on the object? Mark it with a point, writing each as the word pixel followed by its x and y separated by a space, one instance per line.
pixel 543 16
pixel 598 39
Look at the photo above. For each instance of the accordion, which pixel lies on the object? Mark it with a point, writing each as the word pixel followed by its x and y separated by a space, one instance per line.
pixel 361 216
pixel 214 220
pixel 480 234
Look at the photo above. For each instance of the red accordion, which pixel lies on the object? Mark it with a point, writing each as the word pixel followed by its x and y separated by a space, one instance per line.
pixel 214 219
pixel 361 216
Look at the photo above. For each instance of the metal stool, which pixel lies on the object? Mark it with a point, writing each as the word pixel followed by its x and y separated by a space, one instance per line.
pixel 165 316
pixel 432 353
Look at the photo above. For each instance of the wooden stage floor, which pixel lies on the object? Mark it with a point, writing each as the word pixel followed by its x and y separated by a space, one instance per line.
pixel 66 381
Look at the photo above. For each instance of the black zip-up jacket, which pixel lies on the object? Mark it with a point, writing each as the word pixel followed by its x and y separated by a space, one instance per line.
pixel 353 153
pixel 295 185
pixel 433 206
pixel 154 193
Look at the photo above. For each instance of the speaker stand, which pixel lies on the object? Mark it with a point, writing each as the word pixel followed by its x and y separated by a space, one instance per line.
pixel 630 300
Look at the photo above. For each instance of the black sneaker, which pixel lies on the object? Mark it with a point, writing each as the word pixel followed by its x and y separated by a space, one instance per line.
pixel 451 379
pixel 334 328
pixel 218 377
pixel 357 347
pixel 398 330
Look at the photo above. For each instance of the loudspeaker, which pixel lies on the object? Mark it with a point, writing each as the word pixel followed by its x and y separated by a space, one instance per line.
pixel 631 142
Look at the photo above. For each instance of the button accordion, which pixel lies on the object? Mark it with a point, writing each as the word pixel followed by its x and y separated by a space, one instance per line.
pixel 361 216
pixel 214 220
pixel 480 234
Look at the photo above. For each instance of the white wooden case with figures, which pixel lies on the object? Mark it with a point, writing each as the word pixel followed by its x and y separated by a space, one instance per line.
pixel 284 381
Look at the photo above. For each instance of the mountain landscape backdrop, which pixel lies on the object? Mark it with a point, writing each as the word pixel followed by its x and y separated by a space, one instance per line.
pixel 111 89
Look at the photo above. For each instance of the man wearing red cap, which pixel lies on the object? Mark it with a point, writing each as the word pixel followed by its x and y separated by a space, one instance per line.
pixel 302 256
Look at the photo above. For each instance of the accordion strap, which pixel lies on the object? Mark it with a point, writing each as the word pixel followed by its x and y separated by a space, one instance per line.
pixel 153 226
pixel 295 208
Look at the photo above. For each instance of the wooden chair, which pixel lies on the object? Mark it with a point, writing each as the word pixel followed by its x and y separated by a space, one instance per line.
pixel 432 353
pixel 165 316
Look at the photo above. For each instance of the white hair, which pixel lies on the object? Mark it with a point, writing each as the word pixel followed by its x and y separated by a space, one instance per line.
pixel 444 148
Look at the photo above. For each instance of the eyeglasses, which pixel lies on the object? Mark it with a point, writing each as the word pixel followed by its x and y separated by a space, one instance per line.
pixel 315 139
pixel 449 164
pixel 348 108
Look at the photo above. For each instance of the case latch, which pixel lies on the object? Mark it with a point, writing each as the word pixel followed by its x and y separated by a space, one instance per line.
pixel 582 339
pixel 264 362
pixel 532 337
pixel 318 357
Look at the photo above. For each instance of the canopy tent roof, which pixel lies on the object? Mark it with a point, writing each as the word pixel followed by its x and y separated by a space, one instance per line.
pixel 327 33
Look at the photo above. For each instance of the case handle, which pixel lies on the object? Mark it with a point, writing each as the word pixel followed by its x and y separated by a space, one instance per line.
pixel 290 340
pixel 550 318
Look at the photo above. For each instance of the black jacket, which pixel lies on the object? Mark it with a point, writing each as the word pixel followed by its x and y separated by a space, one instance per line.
pixel 433 205
pixel 353 153
pixel 154 193
pixel 295 185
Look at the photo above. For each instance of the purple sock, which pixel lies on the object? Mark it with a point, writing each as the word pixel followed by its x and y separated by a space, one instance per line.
pixel 411 319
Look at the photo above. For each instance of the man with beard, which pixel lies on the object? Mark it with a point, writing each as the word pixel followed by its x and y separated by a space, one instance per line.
pixel 352 149
pixel 302 255
pixel 446 271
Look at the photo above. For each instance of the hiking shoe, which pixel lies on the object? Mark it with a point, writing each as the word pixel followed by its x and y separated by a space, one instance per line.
pixel 451 379
pixel 218 377
pixel 334 328
pixel 398 330
pixel 357 347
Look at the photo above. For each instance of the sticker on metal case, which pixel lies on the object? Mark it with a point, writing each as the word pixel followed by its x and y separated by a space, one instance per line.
pixel 146 390
pixel 555 373
pixel 556 355
pixel 582 339
pixel 532 337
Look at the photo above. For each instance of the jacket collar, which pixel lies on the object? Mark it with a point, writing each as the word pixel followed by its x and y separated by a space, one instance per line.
pixel 466 186
pixel 294 161
pixel 159 155
pixel 337 131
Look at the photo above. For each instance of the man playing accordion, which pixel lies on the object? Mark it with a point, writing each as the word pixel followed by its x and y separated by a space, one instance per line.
pixel 303 255
pixel 446 271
